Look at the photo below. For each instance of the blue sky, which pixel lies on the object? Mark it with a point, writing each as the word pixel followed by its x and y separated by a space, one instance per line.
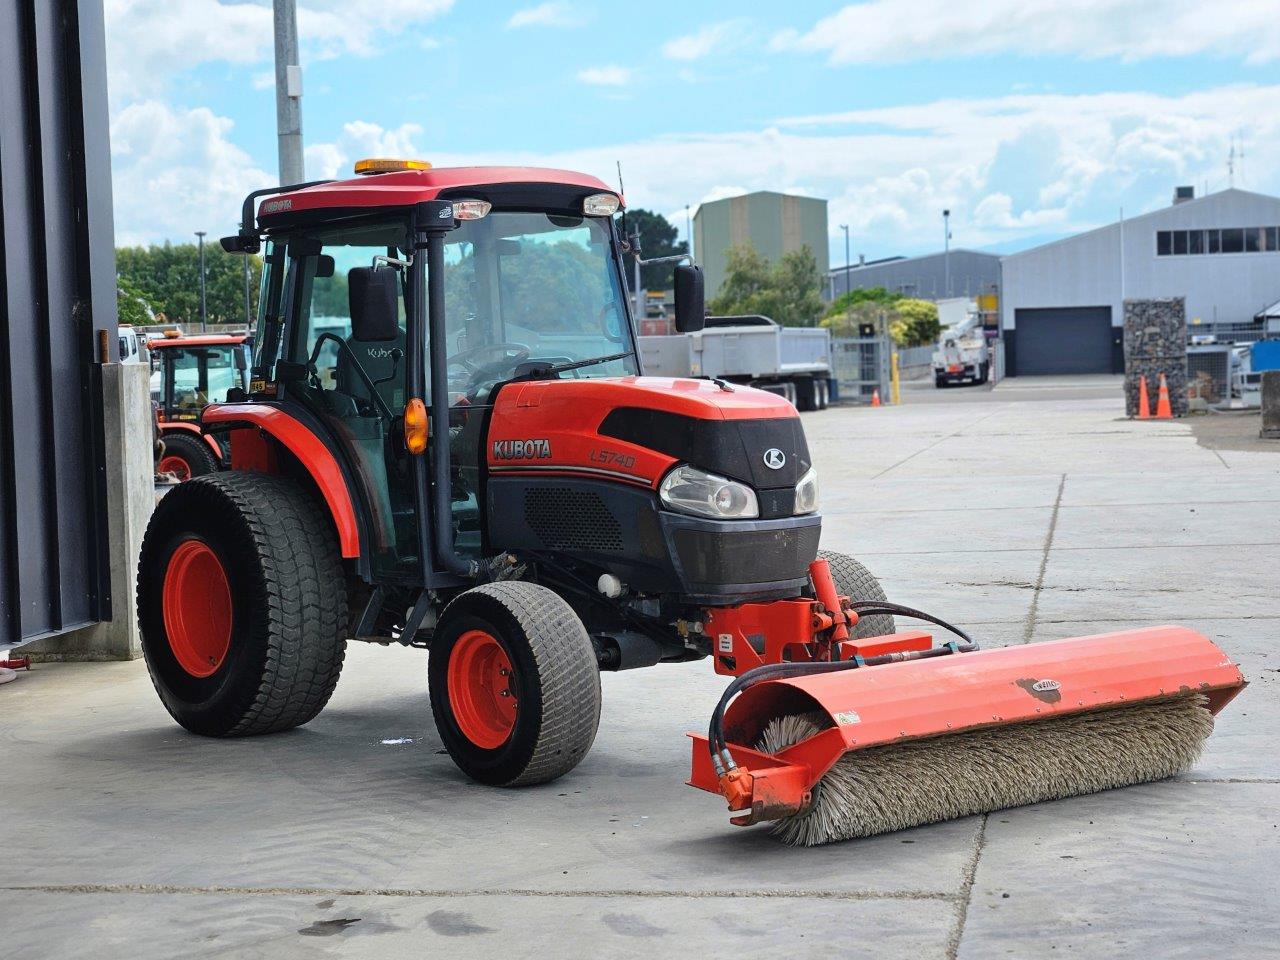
pixel 1030 119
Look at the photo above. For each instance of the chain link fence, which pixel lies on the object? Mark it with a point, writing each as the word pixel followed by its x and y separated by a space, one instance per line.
pixel 860 366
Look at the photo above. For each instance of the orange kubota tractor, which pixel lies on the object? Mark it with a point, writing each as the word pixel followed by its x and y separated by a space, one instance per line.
pixel 467 459
pixel 192 372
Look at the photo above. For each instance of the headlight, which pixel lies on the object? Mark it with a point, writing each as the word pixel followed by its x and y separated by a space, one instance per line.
pixel 807 492
pixel 690 490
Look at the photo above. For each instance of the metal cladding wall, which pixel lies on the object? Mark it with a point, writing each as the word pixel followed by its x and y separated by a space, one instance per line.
pixel 57 307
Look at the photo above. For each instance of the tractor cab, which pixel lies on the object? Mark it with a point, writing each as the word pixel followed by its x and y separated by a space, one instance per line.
pixel 188 374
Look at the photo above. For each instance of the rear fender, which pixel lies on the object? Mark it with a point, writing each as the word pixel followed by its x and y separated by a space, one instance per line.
pixel 250 451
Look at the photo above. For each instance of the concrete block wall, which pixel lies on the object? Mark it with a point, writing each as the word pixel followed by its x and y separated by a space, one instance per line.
pixel 130 499
pixel 1155 342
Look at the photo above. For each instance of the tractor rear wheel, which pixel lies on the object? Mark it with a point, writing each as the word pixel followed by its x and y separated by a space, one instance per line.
pixel 515 689
pixel 186 457
pixel 242 604
pixel 856 582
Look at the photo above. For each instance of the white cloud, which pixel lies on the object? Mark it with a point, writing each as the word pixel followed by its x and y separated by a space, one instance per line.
pixel 266 80
pixel 1064 163
pixel 176 171
pixel 895 31
pixel 325 161
pixel 553 14
pixel 151 41
pixel 607 76
pixel 712 37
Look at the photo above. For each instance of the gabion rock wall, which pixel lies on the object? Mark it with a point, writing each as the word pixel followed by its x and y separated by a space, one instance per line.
pixel 1155 342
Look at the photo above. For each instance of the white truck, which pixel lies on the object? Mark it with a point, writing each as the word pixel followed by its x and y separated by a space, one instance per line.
pixel 962 354
pixel 794 362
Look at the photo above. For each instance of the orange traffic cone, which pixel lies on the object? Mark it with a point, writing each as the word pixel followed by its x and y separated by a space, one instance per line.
pixel 1163 410
pixel 875 398
pixel 1144 402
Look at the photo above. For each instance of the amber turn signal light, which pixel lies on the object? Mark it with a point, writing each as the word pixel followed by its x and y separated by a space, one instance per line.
pixel 415 426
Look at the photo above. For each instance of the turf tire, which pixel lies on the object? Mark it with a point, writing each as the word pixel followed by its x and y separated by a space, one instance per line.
pixel 556 676
pixel 280 554
pixel 194 450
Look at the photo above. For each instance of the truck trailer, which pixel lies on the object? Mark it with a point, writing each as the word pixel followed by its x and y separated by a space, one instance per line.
pixel 793 362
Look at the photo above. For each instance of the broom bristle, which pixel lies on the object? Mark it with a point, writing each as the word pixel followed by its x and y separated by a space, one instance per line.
pixel 895 786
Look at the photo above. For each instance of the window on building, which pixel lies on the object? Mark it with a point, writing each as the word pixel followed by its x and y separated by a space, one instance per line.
pixel 1179 243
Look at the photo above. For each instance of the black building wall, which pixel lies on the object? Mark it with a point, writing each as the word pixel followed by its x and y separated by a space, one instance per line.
pixel 57 316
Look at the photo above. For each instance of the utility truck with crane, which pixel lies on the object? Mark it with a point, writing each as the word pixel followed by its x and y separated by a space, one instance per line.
pixel 475 464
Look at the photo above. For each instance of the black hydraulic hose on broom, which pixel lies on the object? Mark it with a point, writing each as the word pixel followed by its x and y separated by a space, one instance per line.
pixel 775 671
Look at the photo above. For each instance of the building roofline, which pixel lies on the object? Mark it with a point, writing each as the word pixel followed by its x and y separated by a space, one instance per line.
pixel 1142 216
pixel 854 267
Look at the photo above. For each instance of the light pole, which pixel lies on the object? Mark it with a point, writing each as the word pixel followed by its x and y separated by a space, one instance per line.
pixel 204 314
pixel 946 253
pixel 688 230
pixel 288 92
pixel 847 265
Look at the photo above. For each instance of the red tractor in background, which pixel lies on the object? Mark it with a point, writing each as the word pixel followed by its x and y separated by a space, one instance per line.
pixel 192 372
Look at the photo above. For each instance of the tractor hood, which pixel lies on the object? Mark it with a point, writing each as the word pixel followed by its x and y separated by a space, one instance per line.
pixel 634 429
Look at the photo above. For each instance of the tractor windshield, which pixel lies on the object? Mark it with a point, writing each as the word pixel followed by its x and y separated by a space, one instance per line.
pixel 522 287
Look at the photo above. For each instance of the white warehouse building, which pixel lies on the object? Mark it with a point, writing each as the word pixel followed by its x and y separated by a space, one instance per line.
pixel 1061 309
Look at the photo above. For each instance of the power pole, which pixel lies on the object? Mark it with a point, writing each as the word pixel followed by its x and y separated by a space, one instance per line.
pixel 946 253
pixel 288 92
pixel 204 308
pixel 848 277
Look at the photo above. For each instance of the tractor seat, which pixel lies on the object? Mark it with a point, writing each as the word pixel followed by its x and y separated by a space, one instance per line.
pixel 376 335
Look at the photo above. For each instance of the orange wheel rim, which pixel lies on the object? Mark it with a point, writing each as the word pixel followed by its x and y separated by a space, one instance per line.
pixel 197 608
pixel 481 689
pixel 175 465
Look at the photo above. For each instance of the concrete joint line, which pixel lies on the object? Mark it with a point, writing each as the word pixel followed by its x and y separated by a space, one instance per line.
pixel 927 448
pixel 966 890
pixel 1029 630
pixel 414 893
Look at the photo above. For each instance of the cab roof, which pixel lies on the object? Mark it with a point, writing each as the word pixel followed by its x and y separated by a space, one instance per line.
pixel 197 340
pixel 503 186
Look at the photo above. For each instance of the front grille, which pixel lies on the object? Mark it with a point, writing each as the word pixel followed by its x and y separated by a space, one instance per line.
pixel 577 520
pixel 756 556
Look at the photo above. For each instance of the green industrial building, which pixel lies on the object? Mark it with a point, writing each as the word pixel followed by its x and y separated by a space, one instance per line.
pixel 772 223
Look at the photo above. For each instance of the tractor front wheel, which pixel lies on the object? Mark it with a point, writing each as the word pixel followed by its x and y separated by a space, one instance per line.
pixel 515 689
pixel 242 604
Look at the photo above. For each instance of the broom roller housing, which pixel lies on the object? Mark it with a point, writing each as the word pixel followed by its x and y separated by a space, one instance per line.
pixel 446 441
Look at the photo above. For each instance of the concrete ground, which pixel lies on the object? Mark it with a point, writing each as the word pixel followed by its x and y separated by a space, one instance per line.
pixel 1029 512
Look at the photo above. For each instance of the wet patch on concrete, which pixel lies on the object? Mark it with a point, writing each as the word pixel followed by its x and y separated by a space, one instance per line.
pixel 454 923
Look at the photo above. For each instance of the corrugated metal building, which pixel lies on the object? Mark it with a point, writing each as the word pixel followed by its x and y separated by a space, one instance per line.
pixel 1062 303
pixel 772 223
pixel 970 272
pixel 57 318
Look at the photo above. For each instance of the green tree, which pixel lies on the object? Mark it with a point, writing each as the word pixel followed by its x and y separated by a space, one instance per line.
pixel 657 239
pixel 168 279
pixel 789 292
pixel 911 323
pixel 133 306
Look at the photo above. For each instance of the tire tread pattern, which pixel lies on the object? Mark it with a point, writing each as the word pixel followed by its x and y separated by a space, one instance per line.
pixel 856 582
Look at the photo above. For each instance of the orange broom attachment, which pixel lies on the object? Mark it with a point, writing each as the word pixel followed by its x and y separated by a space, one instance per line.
pixel 865 749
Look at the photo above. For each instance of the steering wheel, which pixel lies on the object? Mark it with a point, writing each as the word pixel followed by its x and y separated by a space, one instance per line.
pixel 610 306
pixel 491 354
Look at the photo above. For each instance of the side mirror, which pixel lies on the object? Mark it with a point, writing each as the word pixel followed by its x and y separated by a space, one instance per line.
pixel 691 304
pixel 374 304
